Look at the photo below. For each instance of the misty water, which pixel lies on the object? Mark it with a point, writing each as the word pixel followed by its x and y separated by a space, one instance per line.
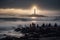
pixel 8 26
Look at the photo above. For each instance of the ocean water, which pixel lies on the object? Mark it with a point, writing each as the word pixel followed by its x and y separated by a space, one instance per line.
pixel 7 26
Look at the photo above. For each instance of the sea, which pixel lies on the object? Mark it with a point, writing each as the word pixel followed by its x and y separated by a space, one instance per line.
pixel 7 25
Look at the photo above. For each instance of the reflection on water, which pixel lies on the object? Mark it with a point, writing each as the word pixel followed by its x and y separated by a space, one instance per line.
pixel 33 17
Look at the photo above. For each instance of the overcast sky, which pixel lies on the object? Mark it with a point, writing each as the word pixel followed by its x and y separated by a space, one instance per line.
pixel 44 4
pixel 52 5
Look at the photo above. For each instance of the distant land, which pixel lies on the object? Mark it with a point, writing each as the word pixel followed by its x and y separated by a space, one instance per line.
pixel 33 15
pixel 21 15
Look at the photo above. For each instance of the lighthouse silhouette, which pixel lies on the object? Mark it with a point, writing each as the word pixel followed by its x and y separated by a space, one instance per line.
pixel 34 11
pixel 34 8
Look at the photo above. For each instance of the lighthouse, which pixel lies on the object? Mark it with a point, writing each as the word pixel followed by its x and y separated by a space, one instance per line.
pixel 34 11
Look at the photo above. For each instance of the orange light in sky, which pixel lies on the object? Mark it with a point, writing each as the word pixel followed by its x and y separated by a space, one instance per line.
pixel 29 11
pixel 34 8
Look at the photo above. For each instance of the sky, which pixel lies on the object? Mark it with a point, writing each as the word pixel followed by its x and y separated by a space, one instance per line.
pixel 26 4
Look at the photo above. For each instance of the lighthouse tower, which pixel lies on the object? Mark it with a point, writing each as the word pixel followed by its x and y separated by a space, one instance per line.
pixel 34 11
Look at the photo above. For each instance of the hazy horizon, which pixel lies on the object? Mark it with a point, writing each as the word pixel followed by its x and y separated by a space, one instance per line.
pixel 45 7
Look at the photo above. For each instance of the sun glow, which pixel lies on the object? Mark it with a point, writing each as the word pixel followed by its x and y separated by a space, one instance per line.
pixel 20 11
pixel 34 8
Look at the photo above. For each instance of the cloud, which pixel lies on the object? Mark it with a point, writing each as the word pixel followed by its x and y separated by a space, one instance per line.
pixel 28 11
pixel 14 11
